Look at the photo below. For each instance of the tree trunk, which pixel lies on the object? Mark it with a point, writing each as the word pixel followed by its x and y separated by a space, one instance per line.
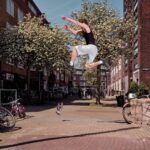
pixel 98 85
pixel 28 84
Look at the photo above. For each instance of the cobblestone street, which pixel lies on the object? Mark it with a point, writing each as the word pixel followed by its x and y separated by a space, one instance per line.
pixel 81 126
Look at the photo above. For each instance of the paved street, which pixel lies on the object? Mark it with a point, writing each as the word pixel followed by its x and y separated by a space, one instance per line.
pixel 81 126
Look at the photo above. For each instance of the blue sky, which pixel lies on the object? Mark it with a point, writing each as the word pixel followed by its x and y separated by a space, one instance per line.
pixel 54 9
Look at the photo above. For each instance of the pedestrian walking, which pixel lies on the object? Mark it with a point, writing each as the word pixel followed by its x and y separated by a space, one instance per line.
pixel 59 107
pixel 60 103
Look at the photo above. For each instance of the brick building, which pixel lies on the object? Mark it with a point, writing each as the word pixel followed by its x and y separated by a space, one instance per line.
pixel 140 68
pixel 115 86
pixel 79 79
pixel 11 76
pixel 12 12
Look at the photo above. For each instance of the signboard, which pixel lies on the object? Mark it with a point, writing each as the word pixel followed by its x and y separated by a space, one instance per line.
pixel 9 76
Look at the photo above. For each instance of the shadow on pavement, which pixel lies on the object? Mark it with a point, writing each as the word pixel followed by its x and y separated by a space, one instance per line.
pixel 111 121
pixel 79 103
pixel 27 117
pixel 38 108
pixel 109 105
pixel 70 100
pixel 65 137
pixel 10 130
pixel 53 103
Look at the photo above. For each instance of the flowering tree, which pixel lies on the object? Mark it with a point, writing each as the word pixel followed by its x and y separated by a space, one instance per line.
pixel 111 31
pixel 34 44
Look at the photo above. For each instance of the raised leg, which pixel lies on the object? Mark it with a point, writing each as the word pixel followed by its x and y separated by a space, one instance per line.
pixel 73 56
pixel 92 65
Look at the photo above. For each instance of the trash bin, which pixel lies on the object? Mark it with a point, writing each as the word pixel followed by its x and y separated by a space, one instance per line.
pixel 120 100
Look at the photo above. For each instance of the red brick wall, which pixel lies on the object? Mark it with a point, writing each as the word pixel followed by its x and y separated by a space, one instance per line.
pixel 5 17
pixel 12 69
pixel 23 5
pixel 145 42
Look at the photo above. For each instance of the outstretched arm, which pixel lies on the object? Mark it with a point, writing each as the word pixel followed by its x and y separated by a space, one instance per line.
pixel 83 25
pixel 66 27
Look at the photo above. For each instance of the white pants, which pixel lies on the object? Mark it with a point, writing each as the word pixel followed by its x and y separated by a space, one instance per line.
pixel 90 50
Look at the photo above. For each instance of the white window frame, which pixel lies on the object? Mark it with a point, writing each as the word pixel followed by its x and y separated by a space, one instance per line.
pixel 79 72
pixel 8 25
pixel 82 83
pixel 20 15
pixel 32 8
pixel 10 7
pixel 9 61
pixel 82 78
pixel 20 66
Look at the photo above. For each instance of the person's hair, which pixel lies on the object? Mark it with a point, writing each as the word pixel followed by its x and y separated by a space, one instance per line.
pixel 83 21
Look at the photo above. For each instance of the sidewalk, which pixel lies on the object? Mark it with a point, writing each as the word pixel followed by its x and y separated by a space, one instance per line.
pixel 80 127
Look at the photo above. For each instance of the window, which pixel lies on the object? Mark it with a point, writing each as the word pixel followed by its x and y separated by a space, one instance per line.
pixel 136 52
pixel 82 78
pixel 135 37
pixel 136 5
pixel 32 8
pixel 74 84
pixel 66 79
pixel 78 72
pixel 20 15
pixel 82 83
pixel 33 69
pixel 10 7
pixel 20 65
pixel 135 44
pixel 62 76
pixel 57 76
pixel 9 61
pixel 119 65
pixel 8 25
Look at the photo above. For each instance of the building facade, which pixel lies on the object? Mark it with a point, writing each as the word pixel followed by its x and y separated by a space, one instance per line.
pixel 116 84
pixel 79 79
pixel 141 48
pixel 12 12
pixel 12 76
pixel 138 67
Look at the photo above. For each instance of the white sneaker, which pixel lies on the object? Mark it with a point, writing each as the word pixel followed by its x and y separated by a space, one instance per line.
pixel 58 112
pixel 101 62
pixel 104 62
pixel 71 63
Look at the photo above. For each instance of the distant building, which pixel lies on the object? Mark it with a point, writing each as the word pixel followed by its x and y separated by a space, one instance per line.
pixel 105 80
pixel 78 79
pixel 116 78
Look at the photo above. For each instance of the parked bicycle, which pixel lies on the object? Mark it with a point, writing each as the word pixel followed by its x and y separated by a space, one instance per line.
pixel 7 120
pixel 137 111
pixel 16 108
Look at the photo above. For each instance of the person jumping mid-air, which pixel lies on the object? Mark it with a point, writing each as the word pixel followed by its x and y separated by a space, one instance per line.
pixel 89 49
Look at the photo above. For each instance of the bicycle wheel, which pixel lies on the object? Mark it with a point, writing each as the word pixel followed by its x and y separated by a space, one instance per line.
pixel 127 114
pixel 7 120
